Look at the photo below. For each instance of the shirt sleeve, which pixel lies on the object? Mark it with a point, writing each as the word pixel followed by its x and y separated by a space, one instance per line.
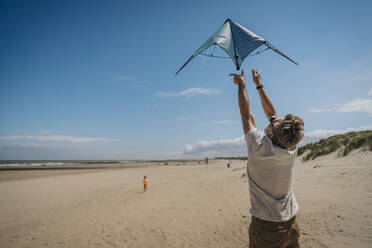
pixel 254 139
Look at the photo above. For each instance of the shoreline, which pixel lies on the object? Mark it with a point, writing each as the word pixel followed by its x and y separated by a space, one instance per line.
pixel 31 172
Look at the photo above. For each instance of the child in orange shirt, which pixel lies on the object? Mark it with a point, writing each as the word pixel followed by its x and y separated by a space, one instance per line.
pixel 144 184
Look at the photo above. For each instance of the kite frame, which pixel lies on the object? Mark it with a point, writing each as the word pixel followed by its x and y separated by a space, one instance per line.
pixel 266 43
pixel 228 57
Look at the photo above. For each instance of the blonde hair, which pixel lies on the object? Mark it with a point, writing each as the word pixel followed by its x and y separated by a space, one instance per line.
pixel 288 132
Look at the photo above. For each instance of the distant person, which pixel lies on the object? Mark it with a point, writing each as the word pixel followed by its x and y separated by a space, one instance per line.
pixel 271 159
pixel 206 160
pixel 145 182
pixel 228 165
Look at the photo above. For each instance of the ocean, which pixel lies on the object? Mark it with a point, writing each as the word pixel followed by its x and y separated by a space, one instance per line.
pixel 27 164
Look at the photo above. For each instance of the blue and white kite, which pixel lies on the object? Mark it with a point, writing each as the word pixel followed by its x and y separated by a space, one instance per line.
pixel 237 41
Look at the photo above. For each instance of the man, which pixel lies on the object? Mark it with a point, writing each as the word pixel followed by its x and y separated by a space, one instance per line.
pixel 271 158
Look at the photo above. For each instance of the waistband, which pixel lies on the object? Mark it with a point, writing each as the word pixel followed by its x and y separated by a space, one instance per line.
pixel 273 226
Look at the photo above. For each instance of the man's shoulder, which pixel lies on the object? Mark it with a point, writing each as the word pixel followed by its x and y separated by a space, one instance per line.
pixel 254 133
pixel 255 138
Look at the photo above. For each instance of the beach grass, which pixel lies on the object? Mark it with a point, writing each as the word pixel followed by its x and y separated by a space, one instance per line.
pixel 345 143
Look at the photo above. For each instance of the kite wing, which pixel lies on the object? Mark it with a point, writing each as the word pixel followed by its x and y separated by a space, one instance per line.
pixel 222 38
pixel 237 41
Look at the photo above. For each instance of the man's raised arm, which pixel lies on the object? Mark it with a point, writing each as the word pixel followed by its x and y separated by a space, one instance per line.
pixel 245 113
pixel 267 105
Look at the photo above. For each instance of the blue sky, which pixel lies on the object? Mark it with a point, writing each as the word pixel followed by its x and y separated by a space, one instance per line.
pixel 95 79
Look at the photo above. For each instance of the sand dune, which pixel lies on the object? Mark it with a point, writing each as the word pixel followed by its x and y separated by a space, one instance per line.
pixel 186 206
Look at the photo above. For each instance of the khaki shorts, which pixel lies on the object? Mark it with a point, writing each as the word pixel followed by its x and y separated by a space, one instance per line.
pixel 267 234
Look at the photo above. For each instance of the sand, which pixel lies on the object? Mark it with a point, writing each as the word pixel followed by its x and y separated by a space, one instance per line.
pixel 186 206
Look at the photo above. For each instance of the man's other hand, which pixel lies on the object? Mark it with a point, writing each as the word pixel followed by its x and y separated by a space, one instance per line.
pixel 256 77
pixel 239 79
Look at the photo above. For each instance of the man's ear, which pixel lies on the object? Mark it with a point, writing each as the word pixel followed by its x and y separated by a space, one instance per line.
pixel 269 131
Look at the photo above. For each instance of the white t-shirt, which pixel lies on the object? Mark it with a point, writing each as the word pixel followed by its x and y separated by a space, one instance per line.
pixel 270 170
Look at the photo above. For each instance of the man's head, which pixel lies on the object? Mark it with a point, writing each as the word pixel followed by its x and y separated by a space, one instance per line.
pixel 286 132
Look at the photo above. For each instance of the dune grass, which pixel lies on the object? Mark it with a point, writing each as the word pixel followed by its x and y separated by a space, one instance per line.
pixel 345 143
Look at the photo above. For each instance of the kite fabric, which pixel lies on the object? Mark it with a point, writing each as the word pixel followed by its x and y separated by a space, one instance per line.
pixel 237 41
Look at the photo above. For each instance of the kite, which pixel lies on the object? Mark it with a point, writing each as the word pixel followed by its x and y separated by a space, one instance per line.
pixel 237 41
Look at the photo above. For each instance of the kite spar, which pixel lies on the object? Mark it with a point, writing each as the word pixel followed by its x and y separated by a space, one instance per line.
pixel 237 41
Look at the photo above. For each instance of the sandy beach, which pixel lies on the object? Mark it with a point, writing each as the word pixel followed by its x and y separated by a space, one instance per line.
pixel 186 206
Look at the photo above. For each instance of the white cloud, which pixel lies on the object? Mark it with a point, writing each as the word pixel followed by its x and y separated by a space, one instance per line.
pixel 363 105
pixel 189 92
pixel 58 138
pixel 319 134
pixel 237 147
pixel 230 147
pixel 358 105
pixel 327 133
pixel 223 122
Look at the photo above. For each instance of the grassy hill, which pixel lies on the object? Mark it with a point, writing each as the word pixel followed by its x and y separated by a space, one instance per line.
pixel 345 143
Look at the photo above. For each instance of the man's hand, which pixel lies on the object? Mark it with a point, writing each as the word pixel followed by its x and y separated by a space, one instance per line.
pixel 256 77
pixel 239 79
pixel 267 105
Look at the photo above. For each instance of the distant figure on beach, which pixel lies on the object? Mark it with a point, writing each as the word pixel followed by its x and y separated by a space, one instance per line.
pixel 145 182
pixel 206 160
pixel 271 160
pixel 228 164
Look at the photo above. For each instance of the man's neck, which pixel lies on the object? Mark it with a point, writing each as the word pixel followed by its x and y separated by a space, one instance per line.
pixel 291 148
